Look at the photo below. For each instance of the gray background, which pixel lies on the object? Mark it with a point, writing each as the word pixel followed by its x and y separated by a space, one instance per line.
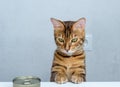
pixel 27 43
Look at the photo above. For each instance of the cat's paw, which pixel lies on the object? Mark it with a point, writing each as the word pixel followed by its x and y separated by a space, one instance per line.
pixel 77 79
pixel 60 79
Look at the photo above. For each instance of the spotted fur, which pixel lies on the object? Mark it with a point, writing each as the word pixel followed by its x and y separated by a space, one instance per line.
pixel 69 57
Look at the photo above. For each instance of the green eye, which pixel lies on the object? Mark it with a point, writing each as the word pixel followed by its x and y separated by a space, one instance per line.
pixel 74 40
pixel 61 40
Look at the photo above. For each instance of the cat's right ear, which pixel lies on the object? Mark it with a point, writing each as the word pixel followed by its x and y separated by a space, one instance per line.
pixel 80 24
pixel 57 24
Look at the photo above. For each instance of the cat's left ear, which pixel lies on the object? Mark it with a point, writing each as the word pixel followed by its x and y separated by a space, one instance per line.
pixel 57 24
pixel 80 24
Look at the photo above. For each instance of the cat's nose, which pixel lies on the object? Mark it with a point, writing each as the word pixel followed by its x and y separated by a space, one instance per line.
pixel 67 50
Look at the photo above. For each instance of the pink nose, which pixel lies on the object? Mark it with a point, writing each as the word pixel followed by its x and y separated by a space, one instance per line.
pixel 67 50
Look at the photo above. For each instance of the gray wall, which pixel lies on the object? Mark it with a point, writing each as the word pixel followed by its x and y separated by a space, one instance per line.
pixel 27 43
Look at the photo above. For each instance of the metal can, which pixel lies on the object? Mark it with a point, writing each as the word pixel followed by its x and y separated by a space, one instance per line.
pixel 26 81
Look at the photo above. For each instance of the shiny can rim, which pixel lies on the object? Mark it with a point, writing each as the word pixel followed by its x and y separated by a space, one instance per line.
pixel 25 77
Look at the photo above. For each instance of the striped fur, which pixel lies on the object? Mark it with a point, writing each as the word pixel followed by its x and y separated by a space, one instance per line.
pixel 69 57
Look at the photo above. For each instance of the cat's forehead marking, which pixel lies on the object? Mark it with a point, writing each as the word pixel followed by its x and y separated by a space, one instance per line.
pixel 68 28
pixel 67 32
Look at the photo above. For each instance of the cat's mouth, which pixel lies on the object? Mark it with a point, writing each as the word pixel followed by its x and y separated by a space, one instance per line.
pixel 69 52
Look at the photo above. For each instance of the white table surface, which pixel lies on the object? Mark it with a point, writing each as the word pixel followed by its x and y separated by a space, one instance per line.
pixel 84 84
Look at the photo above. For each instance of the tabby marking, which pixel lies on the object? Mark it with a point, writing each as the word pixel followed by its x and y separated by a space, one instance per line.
pixel 69 57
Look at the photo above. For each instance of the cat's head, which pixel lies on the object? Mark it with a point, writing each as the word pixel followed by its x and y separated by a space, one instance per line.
pixel 69 35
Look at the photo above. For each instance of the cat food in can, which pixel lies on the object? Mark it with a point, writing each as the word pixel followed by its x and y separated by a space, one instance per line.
pixel 26 81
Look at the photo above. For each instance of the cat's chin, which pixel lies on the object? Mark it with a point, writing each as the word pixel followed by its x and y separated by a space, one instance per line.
pixel 69 53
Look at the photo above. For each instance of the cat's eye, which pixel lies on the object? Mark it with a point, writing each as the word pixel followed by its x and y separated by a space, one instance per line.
pixel 61 40
pixel 74 40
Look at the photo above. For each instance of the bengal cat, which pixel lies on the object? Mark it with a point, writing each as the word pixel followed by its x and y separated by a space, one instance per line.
pixel 69 57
